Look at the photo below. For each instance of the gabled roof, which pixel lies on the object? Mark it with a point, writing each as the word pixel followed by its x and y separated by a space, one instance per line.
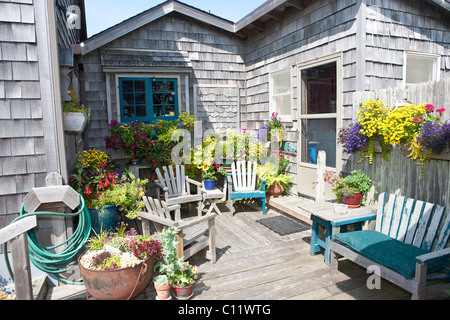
pixel 148 16
pixel 271 9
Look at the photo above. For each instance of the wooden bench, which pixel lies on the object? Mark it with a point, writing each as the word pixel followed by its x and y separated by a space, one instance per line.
pixel 408 245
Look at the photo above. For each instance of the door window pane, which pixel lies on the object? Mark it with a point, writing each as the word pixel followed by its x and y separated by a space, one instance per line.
pixel 319 89
pixel 319 134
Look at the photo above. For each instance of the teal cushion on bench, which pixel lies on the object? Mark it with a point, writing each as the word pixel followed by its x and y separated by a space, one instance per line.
pixel 386 251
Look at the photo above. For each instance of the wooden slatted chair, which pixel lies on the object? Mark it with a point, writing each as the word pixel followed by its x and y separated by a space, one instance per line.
pixel 194 235
pixel 408 245
pixel 242 184
pixel 176 188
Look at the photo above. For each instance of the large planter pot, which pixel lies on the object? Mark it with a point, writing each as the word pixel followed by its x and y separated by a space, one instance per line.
pixel 120 284
pixel 75 121
pixel 209 184
pixel 275 190
pixel 183 293
pixel 105 221
pixel 353 202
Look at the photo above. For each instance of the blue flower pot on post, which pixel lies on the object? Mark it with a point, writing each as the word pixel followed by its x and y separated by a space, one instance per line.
pixel 210 184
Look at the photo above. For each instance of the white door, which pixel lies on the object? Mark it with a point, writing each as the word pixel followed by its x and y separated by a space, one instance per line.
pixel 319 110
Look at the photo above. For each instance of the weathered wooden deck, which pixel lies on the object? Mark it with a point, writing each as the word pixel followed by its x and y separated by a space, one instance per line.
pixel 255 263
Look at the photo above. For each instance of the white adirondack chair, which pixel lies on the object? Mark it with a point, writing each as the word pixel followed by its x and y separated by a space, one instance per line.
pixel 176 188
pixel 195 234
pixel 242 184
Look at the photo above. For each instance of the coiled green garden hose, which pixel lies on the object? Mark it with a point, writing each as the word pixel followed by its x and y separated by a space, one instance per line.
pixel 44 258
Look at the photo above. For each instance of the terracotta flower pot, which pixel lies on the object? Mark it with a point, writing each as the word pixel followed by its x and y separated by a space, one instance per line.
pixel 183 293
pixel 275 190
pixel 163 292
pixel 353 202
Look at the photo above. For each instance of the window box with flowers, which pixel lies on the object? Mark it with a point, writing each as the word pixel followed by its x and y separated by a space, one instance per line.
pixel 75 116
pixel 419 129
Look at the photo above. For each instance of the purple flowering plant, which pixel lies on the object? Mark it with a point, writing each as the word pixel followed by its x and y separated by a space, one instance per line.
pixel 273 123
pixel 352 139
pixel 435 136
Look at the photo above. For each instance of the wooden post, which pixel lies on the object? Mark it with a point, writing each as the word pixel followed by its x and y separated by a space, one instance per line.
pixel 320 188
pixel 180 247
pixel 16 232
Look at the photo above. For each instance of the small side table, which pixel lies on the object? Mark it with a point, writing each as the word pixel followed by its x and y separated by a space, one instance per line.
pixel 212 196
pixel 322 214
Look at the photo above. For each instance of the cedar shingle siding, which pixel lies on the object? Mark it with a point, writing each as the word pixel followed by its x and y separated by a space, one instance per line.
pixel 28 151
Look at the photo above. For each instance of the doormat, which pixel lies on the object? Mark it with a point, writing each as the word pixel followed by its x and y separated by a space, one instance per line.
pixel 283 226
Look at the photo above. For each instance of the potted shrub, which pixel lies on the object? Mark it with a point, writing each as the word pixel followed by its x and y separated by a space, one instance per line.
pixel 119 266
pixel 127 194
pixel 75 116
pixel 351 189
pixel 278 182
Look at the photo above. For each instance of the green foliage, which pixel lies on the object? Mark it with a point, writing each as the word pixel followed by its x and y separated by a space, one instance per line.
pixel 73 104
pixel 166 129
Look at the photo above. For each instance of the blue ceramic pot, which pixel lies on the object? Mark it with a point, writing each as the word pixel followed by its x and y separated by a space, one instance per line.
pixel 109 220
pixel 210 184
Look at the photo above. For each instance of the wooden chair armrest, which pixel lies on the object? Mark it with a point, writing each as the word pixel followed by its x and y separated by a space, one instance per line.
pixel 189 180
pixel 434 256
pixel 160 220
pixel 161 186
pixel 190 223
pixel 174 207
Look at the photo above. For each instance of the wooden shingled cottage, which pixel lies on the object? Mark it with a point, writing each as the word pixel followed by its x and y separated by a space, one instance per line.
pixel 303 59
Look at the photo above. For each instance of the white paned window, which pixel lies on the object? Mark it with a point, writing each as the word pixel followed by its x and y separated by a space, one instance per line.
pixel 280 94
pixel 421 67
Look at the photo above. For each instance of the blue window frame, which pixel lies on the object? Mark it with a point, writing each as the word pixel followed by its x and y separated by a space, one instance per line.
pixel 148 99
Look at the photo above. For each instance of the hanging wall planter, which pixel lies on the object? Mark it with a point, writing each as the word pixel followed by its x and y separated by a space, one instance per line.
pixel 75 121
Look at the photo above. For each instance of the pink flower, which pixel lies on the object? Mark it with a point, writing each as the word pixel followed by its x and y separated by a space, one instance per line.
pixel 442 110
pixel 416 120
pixel 429 108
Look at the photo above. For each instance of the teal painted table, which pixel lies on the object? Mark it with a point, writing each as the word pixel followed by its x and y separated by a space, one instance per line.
pixel 322 214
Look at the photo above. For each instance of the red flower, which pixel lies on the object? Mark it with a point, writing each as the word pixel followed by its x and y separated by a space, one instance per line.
pixel 441 110
pixel 88 191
